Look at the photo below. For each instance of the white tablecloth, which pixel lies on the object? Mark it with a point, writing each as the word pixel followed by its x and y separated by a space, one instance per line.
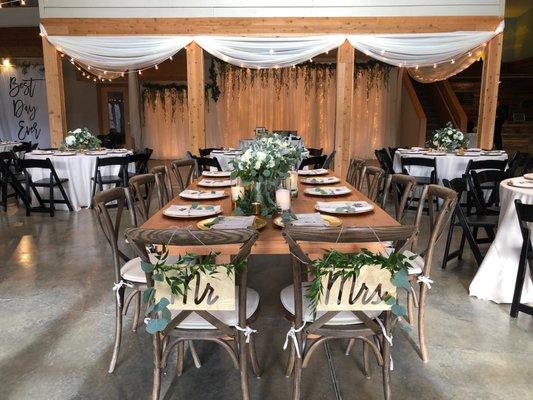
pixel 496 277
pixel 79 170
pixel 7 146
pixel 449 166
pixel 224 159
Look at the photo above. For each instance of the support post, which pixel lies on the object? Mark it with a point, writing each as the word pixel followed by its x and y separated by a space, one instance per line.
pixel 343 107
pixel 134 110
pixel 195 95
pixel 55 93
pixel 488 98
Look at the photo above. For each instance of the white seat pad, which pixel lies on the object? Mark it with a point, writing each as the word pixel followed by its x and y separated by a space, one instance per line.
pixel 132 271
pixel 230 318
pixel 342 318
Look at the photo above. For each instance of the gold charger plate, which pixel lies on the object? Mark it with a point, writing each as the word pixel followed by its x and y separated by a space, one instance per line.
pixel 204 225
pixel 333 222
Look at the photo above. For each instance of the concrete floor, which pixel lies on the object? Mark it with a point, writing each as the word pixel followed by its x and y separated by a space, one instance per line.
pixel 57 318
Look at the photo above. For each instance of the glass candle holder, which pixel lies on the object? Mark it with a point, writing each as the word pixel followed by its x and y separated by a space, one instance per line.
pixel 283 195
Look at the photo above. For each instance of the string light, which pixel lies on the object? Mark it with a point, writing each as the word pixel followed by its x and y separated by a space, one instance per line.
pixel 6 63
pixel 453 61
pixel 170 58
pixel 434 65
pixel 156 67
pixel 22 2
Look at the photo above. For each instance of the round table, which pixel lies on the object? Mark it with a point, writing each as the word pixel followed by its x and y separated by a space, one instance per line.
pixel 224 157
pixel 449 166
pixel 78 169
pixel 496 277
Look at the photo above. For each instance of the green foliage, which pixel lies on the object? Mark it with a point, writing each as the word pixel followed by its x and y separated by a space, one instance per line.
pixel 348 266
pixel 177 276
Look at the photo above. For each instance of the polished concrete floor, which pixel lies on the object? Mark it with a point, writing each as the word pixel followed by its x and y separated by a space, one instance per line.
pixel 57 317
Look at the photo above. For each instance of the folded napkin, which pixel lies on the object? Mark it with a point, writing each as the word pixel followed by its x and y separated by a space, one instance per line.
pixel 215 183
pixel 331 190
pixel 188 210
pixel 317 171
pixel 201 193
pixel 322 179
pixel 234 222
pixel 342 206
pixel 313 219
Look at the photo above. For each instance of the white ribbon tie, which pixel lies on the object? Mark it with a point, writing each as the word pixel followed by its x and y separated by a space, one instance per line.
pixel 247 332
pixel 425 280
pixel 117 286
pixel 384 331
pixel 291 334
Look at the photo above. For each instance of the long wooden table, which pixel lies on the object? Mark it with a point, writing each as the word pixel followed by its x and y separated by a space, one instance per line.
pixel 270 239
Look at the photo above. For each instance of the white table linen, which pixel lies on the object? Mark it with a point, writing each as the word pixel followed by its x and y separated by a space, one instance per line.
pixel 496 277
pixel 78 169
pixel 224 158
pixel 8 146
pixel 449 166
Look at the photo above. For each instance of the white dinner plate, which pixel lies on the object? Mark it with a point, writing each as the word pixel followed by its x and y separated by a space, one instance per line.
pixel 217 174
pixel 42 152
pixel 529 176
pixel 521 183
pixel 190 211
pixel 434 153
pixel 327 180
pixel 311 172
pixel 96 153
pixel 217 183
pixel 118 150
pixel 64 153
pixel 494 153
pixel 327 191
pixel 202 194
pixel 344 207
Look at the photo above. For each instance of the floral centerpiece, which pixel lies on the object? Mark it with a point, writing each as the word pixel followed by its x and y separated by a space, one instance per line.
pixel 80 138
pixel 449 138
pixel 268 160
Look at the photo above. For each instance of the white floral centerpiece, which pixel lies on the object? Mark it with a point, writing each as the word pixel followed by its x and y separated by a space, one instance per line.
pixel 80 138
pixel 268 159
pixel 449 138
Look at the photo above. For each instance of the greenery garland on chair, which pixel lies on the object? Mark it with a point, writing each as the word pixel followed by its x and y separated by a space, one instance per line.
pixel 177 276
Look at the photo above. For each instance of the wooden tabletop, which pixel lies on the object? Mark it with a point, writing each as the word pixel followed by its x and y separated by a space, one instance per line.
pixel 270 239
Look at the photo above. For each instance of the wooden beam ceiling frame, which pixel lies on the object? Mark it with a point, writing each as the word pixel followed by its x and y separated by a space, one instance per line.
pixel 267 26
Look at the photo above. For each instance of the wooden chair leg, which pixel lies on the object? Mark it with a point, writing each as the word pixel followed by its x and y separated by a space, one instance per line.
pixel 156 386
pixel 290 362
pixel 118 329
pixel 297 379
pixel 137 312
pixel 253 357
pixel 181 357
pixel 349 347
pixel 410 307
pixel 421 326
pixel 366 361
pixel 243 366
pixel 386 360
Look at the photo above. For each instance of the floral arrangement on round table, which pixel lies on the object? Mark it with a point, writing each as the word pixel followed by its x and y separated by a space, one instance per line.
pixel 80 138
pixel 449 138
pixel 263 164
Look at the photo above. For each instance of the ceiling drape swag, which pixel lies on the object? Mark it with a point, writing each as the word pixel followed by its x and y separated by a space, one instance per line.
pixel 115 54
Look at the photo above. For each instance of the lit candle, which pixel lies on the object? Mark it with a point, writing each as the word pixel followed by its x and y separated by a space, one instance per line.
pixel 236 192
pixel 283 199
pixel 294 183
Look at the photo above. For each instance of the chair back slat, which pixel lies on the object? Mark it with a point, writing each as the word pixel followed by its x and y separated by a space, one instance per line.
pixel 141 190
pixel 375 179
pixel 401 186
pixel 163 184
pixel 356 172
pixel 329 160
pixel 189 165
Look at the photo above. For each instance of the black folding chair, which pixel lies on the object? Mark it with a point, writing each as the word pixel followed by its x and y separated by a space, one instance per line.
pixel 141 161
pixel 206 151
pixel 480 165
pixel 525 217
pixel 392 152
pixel 427 164
pixel 121 179
pixel 314 162
pixel 52 182
pixel 11 176
pixel 468 224
pixel 329 160
pixel 385 161
pixel 486 190
pixel 205 164
pixel 521 163
pixel 313 152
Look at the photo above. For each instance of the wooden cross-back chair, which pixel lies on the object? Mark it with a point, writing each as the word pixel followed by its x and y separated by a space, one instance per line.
pixel 356 172
pixel 225 328
pixel 127 272
pixel 163 184
pixel 419 273
pixel 310 333
pixel 141 189
pixel 401 187
pixel 189 165
pixel 375 179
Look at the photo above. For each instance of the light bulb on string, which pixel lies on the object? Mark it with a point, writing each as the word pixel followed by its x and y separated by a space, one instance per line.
pixel 170 58
pixel 89 67
pixel 453 61
pixel 140 72
pixel 122 74
pixel 156 67
pixel 434 65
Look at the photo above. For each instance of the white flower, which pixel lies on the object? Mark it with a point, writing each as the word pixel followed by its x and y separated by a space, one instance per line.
pixel 70 140
pixel 261 156
pixel 258 164
pixel 77 130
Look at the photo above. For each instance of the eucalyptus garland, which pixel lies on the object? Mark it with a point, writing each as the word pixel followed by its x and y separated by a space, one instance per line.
pixel 348 266
pixel 177 276
pixel 152 92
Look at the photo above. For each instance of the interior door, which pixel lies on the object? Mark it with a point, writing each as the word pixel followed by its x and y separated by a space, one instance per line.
pixel 113 111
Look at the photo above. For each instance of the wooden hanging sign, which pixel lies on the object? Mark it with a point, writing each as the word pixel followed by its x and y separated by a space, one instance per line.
pixel 367 291
pixel 210 292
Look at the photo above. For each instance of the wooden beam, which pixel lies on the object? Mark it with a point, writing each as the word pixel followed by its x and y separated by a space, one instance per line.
pixel 196 95
pixel 343 107
pixel 55 93
pixel 488 97
pixel 267 26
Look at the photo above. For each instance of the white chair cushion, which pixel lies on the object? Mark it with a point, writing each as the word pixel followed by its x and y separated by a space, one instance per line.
pixel 342 318
pixel 231 318
pixel 131 271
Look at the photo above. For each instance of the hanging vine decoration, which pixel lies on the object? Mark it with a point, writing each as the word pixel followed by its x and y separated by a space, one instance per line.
pixel 177 93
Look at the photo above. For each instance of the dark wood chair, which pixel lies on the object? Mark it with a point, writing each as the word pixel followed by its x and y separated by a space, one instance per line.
pixel 401 187
pixel 309 332
pixel 355 172
pixel 187 164
pixel 52 182
pixel 467 225
pixel 120 179
pixel 375 180
pixel 385 161
pixel 163 184
pixel 141 190
pixel 314 152
pixel 313 162
pixel 329 160
pixel 226 328
pixel 525 218
pixel 206 151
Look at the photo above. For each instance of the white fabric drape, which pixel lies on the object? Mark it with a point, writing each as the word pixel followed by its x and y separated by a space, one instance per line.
pixel 268 52
pixel 420 49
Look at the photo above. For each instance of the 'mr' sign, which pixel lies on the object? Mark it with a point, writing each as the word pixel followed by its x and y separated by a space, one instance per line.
pixel 367 291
